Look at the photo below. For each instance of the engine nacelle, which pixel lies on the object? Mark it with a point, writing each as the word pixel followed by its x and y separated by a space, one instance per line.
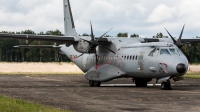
pixel 82 46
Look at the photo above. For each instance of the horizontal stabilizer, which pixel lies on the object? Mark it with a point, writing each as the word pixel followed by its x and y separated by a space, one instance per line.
pixel 36 46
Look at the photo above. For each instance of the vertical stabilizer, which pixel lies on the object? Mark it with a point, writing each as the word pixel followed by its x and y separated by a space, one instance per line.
pixel 68 19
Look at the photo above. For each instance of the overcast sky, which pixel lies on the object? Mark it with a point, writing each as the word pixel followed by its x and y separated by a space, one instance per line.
pixel 144 17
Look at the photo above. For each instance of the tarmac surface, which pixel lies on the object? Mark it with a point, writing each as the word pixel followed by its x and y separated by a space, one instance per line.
pixel 73 93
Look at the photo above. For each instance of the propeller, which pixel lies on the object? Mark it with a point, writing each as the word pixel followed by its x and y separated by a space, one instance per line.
pixel 188 58
pixel 178 42
pixel 93 43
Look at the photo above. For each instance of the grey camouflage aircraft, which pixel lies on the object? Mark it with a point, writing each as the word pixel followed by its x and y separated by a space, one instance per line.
pixel 104 59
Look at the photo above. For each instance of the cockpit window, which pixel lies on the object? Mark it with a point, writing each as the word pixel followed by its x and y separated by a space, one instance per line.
pixel 173 51
pixel 154 52
pixel 164 52
pixel 180 52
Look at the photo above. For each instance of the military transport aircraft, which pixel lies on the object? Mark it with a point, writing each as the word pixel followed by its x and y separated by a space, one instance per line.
pixel 104 59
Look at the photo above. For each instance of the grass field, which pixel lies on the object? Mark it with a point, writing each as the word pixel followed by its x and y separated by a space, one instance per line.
pixel 13 105
pixel 39 69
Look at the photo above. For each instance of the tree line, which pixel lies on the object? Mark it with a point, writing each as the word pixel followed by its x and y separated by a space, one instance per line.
pixel 10 54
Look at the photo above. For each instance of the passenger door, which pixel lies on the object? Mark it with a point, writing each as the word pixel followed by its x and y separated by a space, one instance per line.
pixel 141 62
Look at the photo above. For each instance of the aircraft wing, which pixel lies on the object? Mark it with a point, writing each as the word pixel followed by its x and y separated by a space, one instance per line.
pixel 36 46
pixel 190 41
pixel 184 41
pixel 60 39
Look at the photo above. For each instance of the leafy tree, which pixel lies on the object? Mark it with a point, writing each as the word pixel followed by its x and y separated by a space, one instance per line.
pixel 85 34
pixel 122 35
pixel 28 32
pixel 56 32
pixel 135 35
pixel 107 36
pixel 160 35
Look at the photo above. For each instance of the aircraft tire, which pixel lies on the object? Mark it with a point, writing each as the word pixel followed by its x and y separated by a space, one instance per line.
pixel 169 86
pixel 140 83
pixel 91 83
pixel 163 86
pixel 97 84
pixel 166 86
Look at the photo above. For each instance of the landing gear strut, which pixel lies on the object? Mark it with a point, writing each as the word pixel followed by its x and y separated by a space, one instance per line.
pixel 166 85
pixel 94 83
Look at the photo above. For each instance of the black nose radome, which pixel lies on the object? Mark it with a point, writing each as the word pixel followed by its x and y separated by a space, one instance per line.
pixel 181 68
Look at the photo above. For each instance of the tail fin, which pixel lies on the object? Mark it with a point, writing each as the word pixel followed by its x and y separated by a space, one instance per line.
pixel 68 19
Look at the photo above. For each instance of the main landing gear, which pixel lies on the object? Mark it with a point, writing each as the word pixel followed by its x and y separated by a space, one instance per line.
pixel 94 83
pixel 166 85
pixel 141 82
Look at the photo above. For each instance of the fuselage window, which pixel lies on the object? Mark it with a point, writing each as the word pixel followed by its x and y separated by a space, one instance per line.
pixel 164 52
pixel 124 57
pixel 136 58
pixel 133 57
pixel 127 57
pixel 173 51
pixel 130 57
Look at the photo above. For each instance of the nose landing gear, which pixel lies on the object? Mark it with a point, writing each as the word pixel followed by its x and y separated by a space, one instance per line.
pixel 166 85
pixel 94 83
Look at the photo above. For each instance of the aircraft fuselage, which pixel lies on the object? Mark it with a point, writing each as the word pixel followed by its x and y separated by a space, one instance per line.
pixel 137 60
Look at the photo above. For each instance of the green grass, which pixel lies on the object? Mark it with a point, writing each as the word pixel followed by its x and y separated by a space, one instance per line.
pixel 13 105
pixel 192 75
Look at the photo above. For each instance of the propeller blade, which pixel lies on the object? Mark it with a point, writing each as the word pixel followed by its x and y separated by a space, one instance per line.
pixel 171 36
pixel 179 39
pixel 188 58
pixel 96 61
pixel 107 49
pixel 92 35
pixel 104 34
pixel 83 53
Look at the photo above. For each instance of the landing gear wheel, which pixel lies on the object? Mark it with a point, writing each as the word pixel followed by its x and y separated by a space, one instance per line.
pixel 163 85
pixel 91 83
pixel 140 83
pixel 97 84
pixel 94 83
pixel 166 85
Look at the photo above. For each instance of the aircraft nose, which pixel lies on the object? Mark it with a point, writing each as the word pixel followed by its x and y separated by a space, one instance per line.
pixel 181 68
